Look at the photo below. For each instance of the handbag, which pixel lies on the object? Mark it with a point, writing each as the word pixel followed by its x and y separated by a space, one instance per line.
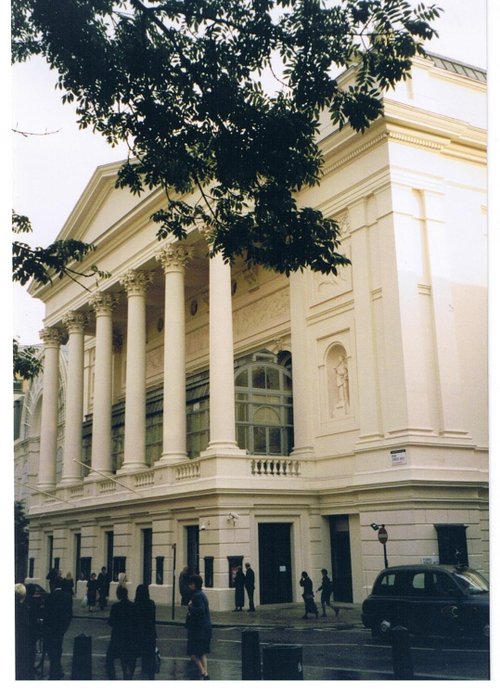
pixel 157 660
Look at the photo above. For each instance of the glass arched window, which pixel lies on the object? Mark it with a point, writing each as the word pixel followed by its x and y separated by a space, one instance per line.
pixel 264 405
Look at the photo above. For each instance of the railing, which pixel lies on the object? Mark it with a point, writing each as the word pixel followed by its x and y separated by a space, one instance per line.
pixel 76 491
pixel 107 486
pixel 187 470
pixel 275 467
pixel 145 479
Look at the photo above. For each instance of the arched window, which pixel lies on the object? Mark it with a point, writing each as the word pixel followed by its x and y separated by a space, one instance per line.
pixel 264 405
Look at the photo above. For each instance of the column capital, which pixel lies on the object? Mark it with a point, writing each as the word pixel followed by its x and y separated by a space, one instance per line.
pixel 174 257
pixel 74 321
pixel 136 282
pixel 102 303
pixel 51 336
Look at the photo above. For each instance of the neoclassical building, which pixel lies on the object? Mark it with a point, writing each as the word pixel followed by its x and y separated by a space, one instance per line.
pixel 192 412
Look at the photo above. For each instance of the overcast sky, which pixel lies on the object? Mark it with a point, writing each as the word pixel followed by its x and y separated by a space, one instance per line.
pixel 50 172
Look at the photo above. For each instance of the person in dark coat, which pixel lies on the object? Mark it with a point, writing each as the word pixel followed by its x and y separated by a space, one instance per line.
pixel 52 575
pixel 68 584
pixel 103 587
pixel 123 643
pixel 58 615
pixel 184 586
pixel 199 626
pixel 239 590
pixel 92 591
pixel 145 630
pixel 24 652
pixel 250 585
pixel 308 595
pixel 326 589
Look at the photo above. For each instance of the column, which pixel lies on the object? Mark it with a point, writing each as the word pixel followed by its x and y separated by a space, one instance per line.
pixel 301 368
pixel 48 427
pixel 222 414
pixel 135 284
pixel 173 259
pixel 72 474
pixel 102 304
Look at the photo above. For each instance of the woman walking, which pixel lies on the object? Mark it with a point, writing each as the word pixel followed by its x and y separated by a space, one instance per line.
pixel 92 591
pixel 199 627
pixel 239 590
pixel 146 630
pixel 308 595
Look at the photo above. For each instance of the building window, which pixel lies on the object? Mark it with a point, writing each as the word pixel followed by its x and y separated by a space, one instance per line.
pixel 264 404
pixel 452 544
pixel 197 413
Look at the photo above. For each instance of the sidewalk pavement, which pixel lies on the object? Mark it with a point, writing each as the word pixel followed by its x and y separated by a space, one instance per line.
pixel 268 615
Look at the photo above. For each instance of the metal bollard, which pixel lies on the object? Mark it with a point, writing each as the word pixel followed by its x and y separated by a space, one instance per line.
pixel 250 655
pixel 82 658
pixel 402 662
pixel 282 662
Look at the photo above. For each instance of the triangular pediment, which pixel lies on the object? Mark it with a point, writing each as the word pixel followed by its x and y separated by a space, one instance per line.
pixel 100 206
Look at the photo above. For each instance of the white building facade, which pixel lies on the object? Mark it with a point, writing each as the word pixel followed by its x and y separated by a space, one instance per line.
pixel 197 413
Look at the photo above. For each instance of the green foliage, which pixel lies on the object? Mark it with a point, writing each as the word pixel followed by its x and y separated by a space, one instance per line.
pixel 43 264
pixel 26 363
pixel 181 81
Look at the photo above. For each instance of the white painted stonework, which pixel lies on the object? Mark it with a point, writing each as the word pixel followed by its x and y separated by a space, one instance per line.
pixel 190 369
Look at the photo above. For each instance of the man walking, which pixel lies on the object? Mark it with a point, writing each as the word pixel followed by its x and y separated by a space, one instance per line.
pixel 123 643
pixel 58 615
pixel 250 585
pixel 103 587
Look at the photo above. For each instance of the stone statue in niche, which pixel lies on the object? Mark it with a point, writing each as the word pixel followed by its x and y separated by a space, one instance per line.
pixel 338 382
pixel 342 379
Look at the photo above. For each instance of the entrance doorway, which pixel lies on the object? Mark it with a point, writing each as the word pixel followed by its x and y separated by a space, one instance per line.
pixel 193 548
pixel 147 555
pixel 341 558
pixel 275 563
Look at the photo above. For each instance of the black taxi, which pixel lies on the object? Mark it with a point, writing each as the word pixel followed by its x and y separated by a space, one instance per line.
pixel 429 599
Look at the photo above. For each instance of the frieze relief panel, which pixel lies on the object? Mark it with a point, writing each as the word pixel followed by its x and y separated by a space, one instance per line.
pixel 154 362
pixel 262 314
pixel 326 287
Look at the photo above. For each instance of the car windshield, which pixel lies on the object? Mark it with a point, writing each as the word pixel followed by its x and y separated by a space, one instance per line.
pixel 472 581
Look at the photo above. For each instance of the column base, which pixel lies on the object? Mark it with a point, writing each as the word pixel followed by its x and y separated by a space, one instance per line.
pixel 71 481
pixel 132 467
pixel 303 452
pixel 223 447
pixel 173 458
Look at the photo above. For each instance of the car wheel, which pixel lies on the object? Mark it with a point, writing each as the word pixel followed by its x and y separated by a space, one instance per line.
pixel 381 628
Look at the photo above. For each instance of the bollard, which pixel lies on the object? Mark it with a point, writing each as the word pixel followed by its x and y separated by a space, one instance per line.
pixel 282 662
pixel 250 655
pixel 402 662
pixel 82 658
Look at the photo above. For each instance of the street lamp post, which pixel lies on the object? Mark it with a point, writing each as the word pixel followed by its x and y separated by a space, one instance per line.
pixel 382 537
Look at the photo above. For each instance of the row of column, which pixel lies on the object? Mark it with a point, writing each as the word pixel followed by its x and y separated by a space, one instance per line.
pixel 173 259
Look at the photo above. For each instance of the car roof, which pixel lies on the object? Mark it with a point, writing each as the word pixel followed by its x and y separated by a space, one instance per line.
pixel 422 566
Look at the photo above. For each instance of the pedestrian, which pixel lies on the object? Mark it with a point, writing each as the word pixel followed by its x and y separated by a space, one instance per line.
pixel 51 576
pixel 308 595
pixel 250 585
pixel 326 589
pixel 103 587
pixel 145 630
pixel 122 646
pixel 239 590
pixel 184 576
pixel 92 591
pixel 58 615
pixel 199 626
pixel 68 584
pixel 23 640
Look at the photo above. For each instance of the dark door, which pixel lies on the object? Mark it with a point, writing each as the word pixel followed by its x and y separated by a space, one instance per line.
pixel 147 555
pixel 193 548
pixel 109 552
pixel 275 563
pixel 341 558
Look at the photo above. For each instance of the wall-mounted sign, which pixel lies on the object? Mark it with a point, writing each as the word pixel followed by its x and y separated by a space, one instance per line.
pixel 398 457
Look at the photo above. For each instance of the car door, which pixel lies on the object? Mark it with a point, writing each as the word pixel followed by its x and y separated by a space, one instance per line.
pixel 417 613
pixel 445 599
